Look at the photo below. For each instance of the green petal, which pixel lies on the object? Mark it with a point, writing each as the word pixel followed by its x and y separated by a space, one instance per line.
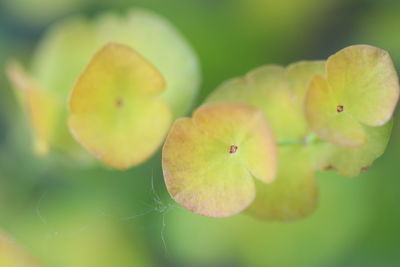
pixel 268 89
pixel 63 54
pixel 68 46
pixel 11 255
pixel 115 112
pixel 365 82
pixel 238 127
pixel 209 160
pixel 350 162
pixel 41 107
pixel 160 43
pixel 294 193
pixel 327 121
pixel 300 75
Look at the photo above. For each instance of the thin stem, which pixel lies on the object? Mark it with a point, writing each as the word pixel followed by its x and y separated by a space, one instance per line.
pixel 306 140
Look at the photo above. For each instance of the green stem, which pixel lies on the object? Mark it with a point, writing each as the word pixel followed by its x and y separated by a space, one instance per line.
pixel 306 140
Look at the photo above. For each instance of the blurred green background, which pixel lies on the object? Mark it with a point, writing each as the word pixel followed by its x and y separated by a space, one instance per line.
pixel 66 215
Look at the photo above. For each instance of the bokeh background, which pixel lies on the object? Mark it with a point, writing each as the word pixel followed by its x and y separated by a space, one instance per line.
pixel 68 215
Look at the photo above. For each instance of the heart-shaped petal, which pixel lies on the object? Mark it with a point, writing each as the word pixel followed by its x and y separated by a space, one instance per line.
pixel 360 87
pixel 68 46
pixel 157 40
pixel 268 89
pixel 115 111
pixel 293 195
pixel 364 80
pixel 209 161
pixel 280 94
pixel 330 120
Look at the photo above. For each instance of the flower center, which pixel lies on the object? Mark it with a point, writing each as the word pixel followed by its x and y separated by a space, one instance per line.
pixel 233 149
pixel 340 108
pixel 119 102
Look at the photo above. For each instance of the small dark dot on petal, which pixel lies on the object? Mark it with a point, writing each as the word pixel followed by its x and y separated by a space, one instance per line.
pixel 119 103
pixel 233 149
pixel 329 167
pixel 365 168
pixel 340 108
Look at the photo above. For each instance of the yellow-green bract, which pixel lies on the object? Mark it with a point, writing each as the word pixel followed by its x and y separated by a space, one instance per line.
pixel 318 122
pixel 12 255
pixel 359 88
pixel 210 160
pixel 279 93
pixel 69 46
pixel 115 109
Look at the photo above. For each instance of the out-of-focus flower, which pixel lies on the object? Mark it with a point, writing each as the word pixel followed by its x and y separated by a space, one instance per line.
pixel 11 255
pixel 66 50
